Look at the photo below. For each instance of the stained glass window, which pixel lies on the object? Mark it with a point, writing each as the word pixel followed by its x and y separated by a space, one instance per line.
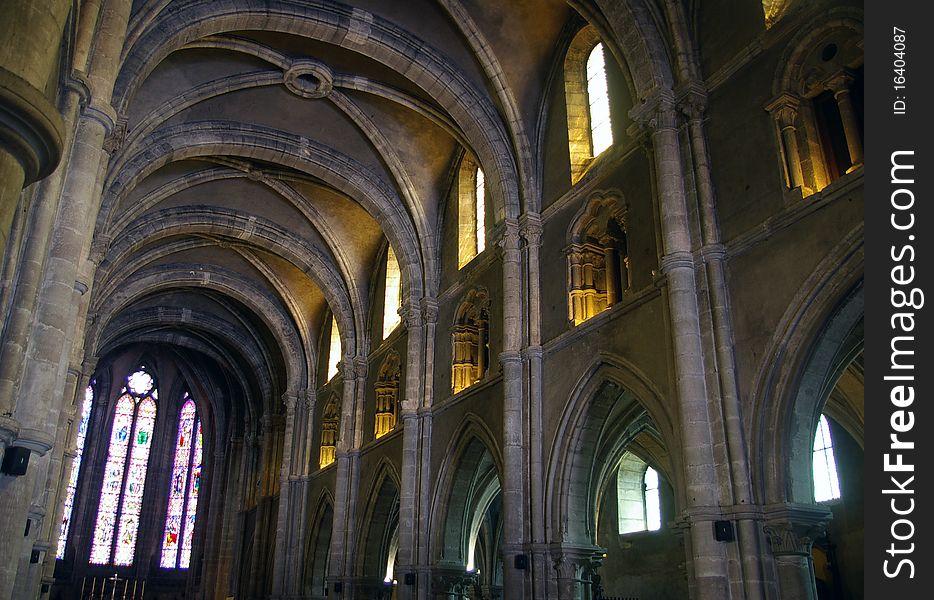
pixel 121 496
pixel 601 129
pixel 183 490
pixel 75 468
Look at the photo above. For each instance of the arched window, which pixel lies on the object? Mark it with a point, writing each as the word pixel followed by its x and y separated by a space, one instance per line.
pixel 598 257
pixel 470 340
pixel 75 469
pixel 121 496
pixel 393 295
pixel 387 395
pixel 183 489
pixel 651 501
pixel 471 212
pixel 637 496
pixel 335 350
pixel 818 105
pixel 587 96
pixel 598 96
pixel 330 421
pixel 826 481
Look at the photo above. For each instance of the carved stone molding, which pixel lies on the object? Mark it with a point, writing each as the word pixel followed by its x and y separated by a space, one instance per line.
pixel 30 127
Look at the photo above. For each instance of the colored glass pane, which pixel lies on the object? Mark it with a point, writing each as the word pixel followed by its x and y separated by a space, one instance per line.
pixel 176 507
pixel 140 383
pixel 113 478
pixel 75 468
pixel 194 489
pixel 135 483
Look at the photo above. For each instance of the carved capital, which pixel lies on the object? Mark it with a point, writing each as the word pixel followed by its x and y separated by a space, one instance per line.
pixel 657 113
pixel 692 101
pixel 117 137
pixel 839 83
pixel 429 310
pixel 508 238
pixel 530 228
pixel 791 529
pixel 411 314
pixel 784 109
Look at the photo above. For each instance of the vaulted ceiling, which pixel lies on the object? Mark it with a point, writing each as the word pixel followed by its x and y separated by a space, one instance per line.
pixel 267 151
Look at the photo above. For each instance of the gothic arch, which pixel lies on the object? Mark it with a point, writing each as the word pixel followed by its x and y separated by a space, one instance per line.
pixel 379 525
pixel 336 24
pixel 252 141
pixel 224 282
pixel 824 321
pixel 318 548
pixel 468 482
pixel 610 392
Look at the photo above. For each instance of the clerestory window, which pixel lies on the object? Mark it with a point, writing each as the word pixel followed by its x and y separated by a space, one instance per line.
pixel 183 489
pixel 826 481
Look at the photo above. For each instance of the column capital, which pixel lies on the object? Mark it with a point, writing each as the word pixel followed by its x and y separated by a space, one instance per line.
pixel 657 113
pixel 530 228
pixel 507 237
pixel 429 308
pixel 692 100
pixel 784 108
pixel 411 314
pixel 839 82
pixel 792 528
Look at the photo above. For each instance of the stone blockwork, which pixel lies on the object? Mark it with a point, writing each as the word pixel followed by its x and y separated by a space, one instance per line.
pixel 210 190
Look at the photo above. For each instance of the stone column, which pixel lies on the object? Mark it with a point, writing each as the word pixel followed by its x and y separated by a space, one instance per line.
pixel 31 128
pixel 530 228
pixel 693 105
pixel 784 110
pixel 791 530
pixel 573 566
pixel 348 473
pixel 515 476
pixel 46 356
pixel 840 86
pixel 429 308
pixel 702 487
pixel 411 440
pixel 287 508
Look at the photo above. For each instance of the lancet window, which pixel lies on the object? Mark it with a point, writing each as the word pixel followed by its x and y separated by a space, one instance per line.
pixel 121 497
pixel 184 489
pixel 83 423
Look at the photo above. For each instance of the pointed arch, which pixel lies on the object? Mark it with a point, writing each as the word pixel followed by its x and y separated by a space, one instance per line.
pixel 824 322
pixel 318 547
pixel 468 483
pixel 612 403
pixel 380 524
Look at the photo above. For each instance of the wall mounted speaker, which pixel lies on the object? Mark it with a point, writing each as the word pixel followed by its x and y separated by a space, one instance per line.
pixel 15 461
pixel 723 531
